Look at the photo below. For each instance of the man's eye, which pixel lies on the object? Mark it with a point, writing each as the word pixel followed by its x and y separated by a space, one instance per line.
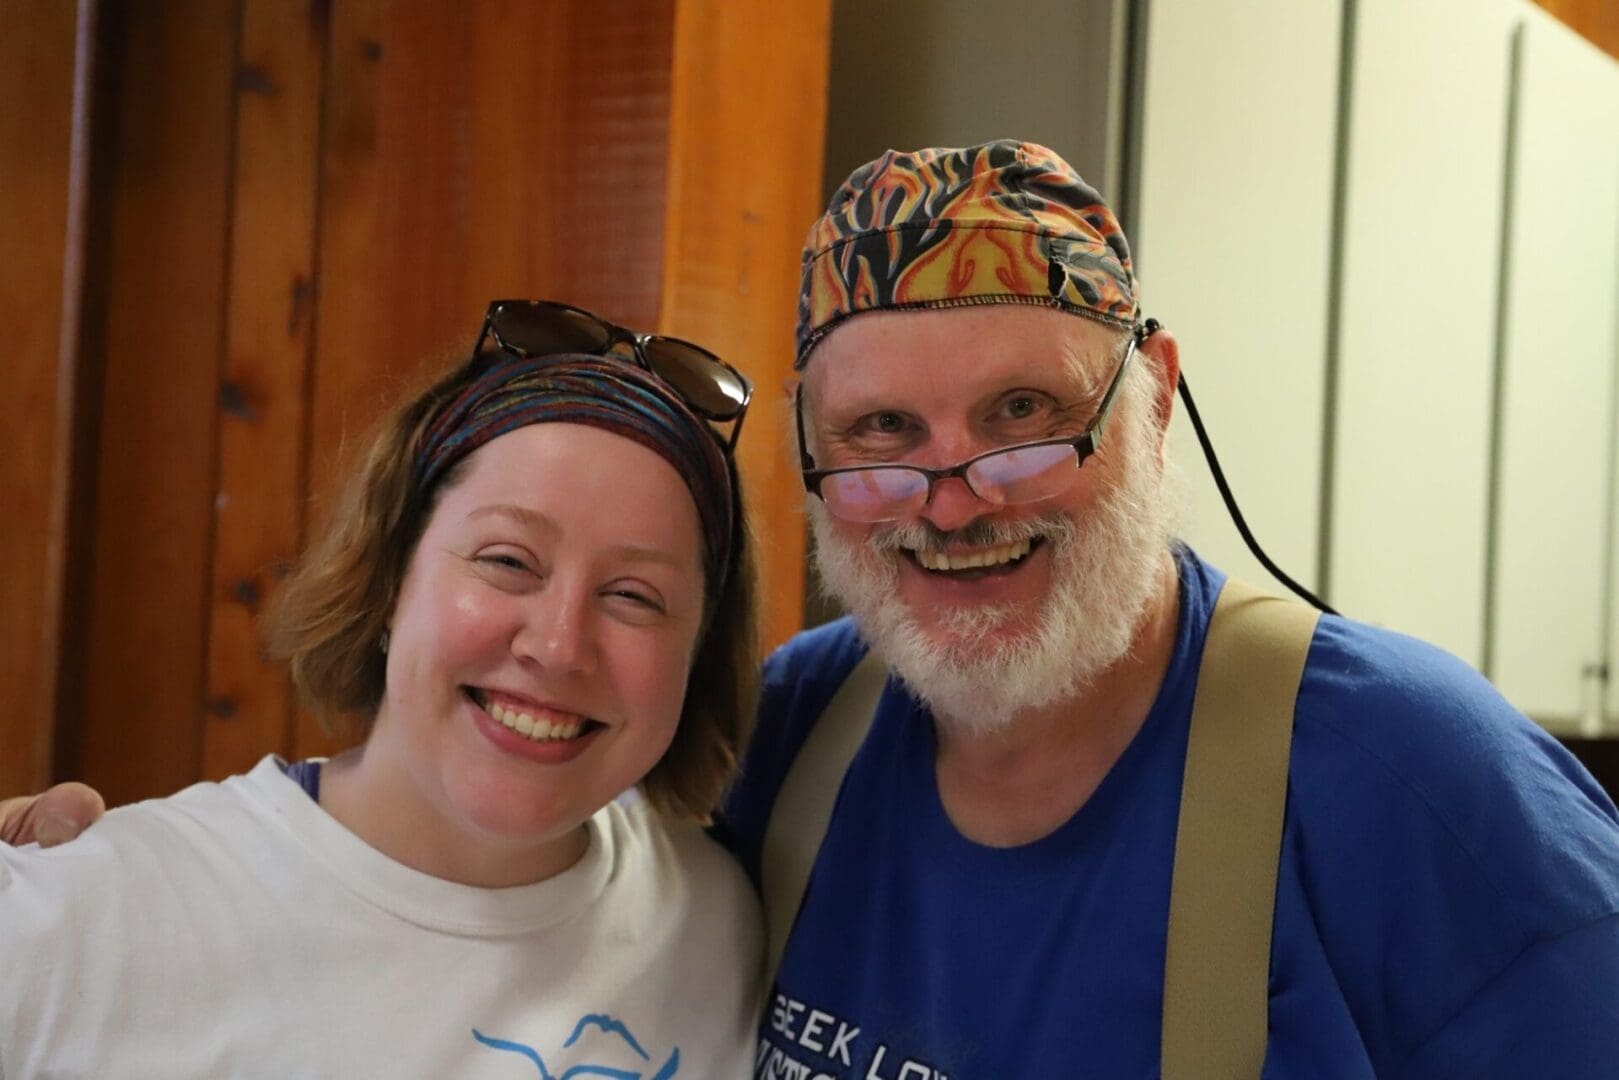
pixel 889 423
pixel 1020 408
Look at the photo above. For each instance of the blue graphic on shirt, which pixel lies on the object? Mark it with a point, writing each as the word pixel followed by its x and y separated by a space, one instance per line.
pixel 591 1021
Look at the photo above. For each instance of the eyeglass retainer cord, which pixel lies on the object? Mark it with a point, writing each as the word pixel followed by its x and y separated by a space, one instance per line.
pixel 1231 502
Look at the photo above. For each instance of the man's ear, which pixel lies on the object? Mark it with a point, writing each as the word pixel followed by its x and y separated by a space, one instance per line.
pixel 1166 356
pixel 789 388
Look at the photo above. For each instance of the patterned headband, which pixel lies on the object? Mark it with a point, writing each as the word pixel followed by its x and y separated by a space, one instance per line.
pixel 1003 223
pixel 605 393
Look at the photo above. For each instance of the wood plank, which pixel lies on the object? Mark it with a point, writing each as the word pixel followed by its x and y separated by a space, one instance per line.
pixel 748 117
pixel 144 664
pixel 261 402
pixel 36 116
pixel 391 228
pixel 1595 20
pixel 535 172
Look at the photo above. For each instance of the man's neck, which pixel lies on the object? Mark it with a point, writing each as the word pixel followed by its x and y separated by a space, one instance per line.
pixel 1023 780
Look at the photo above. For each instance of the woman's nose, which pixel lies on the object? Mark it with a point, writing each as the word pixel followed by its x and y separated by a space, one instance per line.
pixel 558 635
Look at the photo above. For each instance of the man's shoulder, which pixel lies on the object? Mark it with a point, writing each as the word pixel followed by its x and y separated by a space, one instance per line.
pixel 821 654
pixel 1407 703
pixel 800 679
pixel 1407 754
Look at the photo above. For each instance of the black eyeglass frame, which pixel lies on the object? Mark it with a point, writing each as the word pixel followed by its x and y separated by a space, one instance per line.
pixel 1084 444
pixel 620 335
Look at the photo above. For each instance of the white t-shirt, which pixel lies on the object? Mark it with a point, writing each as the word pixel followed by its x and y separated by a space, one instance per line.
pixel 237 929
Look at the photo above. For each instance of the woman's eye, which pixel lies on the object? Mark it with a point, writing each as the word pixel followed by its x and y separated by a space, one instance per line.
pixel 637 598
pixel 503 561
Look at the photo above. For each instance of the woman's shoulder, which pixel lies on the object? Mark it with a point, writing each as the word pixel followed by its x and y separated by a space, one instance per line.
pixel 686 894
pixel 678 856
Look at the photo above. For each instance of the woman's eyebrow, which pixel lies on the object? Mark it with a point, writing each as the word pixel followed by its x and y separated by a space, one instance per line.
pixel 635 553
pixel 521 514
pixel 533 519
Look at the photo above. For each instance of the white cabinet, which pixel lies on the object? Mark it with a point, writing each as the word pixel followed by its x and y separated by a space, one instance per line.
pixel 1562 326
pixel 1417 338
pixel 1233 235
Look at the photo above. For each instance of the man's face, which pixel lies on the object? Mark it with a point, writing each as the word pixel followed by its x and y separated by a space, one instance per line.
pixel 1060 584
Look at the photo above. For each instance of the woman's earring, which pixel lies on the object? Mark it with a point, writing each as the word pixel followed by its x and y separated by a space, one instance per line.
pixel 383 644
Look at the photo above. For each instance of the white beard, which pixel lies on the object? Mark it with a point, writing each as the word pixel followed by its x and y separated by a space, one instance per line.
pixel 1105 570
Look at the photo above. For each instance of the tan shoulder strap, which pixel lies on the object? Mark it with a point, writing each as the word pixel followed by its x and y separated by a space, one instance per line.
pixel 1222 900
pixel 803 810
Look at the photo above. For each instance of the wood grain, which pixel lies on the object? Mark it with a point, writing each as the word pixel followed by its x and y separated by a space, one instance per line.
pixel 472 152
pixel 747 128
pixel 143 669
pixel 1595 20
pixel 261 402
pixel 36 85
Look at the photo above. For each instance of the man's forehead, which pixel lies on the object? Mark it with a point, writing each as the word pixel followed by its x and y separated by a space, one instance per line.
pixel 937 352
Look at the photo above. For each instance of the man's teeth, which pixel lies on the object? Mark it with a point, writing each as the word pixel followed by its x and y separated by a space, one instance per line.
pixel 972 560
pixel 542 730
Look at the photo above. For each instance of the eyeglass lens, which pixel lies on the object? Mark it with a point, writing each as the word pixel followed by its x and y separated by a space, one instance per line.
pixel 1018 474
pixel 698 374
pixel 700 377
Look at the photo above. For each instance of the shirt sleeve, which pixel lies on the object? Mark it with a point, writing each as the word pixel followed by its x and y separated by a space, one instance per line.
pixel 1554 1011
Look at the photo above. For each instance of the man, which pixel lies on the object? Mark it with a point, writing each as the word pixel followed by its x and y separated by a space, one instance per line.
pixel 992 895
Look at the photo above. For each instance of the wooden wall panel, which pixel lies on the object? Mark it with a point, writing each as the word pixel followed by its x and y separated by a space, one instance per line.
pixel 1595 20
pixel 143 666
pixel 471 152
pixel 36 87
pixel 305 205
pixel 744 185
pixel 269 322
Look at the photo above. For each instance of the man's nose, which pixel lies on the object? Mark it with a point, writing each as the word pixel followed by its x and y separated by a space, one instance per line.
pixel 954 505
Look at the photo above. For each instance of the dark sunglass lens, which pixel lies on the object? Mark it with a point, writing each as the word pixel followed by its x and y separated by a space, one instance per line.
pixel 710 386
pixel 544 329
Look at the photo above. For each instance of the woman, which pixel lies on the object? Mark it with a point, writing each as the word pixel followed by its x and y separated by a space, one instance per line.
pixel 536 594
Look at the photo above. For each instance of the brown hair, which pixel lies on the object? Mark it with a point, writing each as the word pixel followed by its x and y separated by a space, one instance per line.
pixel 329 617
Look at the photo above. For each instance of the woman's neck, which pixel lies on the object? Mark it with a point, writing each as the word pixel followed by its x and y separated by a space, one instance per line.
pixel 375 799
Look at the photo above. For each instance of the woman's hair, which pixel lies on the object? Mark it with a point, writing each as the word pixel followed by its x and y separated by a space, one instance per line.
pixel 328 619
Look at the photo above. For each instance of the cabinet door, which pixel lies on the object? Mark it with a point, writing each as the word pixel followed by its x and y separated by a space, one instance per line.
pixel 1416 361
pixel 1551 552
pixel 1234 231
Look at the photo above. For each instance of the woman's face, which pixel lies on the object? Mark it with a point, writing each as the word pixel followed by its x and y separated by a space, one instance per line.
pixel 543 634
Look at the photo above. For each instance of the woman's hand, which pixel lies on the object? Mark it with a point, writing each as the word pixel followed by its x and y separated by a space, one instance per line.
pixel 54 817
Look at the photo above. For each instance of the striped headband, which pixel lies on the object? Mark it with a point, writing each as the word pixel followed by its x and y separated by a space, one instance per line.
pixel 1003 223
pixel 611 394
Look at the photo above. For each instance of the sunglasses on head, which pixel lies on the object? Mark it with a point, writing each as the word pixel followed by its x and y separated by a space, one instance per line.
pixel 708 385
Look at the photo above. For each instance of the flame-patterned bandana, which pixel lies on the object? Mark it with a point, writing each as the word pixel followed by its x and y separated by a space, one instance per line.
pixel 1003 223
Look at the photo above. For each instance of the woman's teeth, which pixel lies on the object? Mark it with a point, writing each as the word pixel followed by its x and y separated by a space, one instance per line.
pixel 973 560
pixel 545 729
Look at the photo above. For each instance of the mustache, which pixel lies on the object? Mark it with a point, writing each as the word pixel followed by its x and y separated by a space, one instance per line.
pixel 985 532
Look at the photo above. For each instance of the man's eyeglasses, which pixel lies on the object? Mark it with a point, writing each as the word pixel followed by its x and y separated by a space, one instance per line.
pixel 712 388
pixel 1018 474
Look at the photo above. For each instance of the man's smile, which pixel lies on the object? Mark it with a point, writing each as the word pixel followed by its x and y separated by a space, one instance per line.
pixel 974 562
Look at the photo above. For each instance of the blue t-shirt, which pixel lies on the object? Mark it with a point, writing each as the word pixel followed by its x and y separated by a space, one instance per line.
pixel 1447 901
